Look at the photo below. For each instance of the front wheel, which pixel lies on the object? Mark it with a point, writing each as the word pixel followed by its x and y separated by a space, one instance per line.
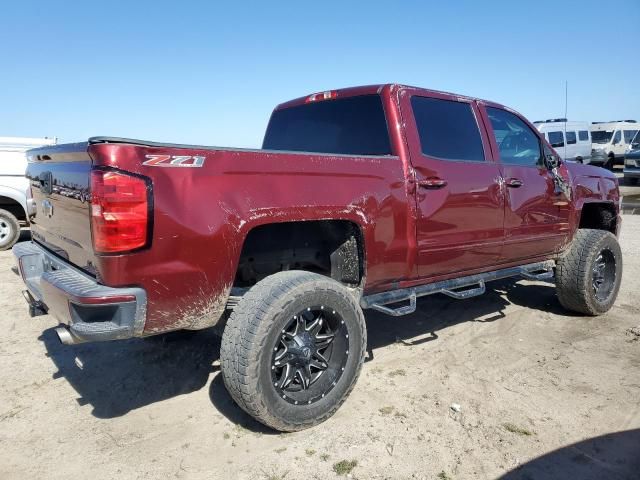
pixel 9 230
pixel 292 349
pixel 609 164
pixel 588 277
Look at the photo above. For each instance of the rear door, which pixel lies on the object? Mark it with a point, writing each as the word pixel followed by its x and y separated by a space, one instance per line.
pixel 536 215
pixel 458 187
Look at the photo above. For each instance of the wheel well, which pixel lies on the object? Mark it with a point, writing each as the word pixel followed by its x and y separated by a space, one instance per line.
pixel 14 207
pixel 599 216
pixel 330 247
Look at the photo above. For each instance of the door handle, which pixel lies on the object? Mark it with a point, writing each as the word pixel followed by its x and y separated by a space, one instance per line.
pixel 514 183
pixel 432 183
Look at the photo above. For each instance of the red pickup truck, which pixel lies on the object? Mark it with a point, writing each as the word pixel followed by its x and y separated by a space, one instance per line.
pixel 366 197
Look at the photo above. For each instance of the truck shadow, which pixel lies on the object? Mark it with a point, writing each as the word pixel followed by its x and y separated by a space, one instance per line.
pixel 613 456
pixel 117 377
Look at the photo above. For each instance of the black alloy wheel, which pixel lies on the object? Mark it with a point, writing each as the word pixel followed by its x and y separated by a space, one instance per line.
pixel 310 355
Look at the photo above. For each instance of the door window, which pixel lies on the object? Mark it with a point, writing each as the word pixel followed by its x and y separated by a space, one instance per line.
pixel 517 143
pixel 616 138
pixel 556 139
pixel 447 129
pixel 571 138
pixel 583 135
pixel 628 135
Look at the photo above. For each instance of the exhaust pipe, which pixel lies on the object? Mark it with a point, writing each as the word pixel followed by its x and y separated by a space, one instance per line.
pixel 65 337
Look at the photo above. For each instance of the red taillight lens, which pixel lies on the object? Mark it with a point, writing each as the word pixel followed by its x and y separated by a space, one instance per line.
pixel 119 211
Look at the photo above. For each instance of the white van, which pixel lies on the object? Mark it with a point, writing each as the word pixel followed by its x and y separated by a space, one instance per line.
pixel 611 140
pixel 572 140
pixel 15 197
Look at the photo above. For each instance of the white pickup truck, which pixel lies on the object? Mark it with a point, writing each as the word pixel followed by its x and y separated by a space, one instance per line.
pixel 15 198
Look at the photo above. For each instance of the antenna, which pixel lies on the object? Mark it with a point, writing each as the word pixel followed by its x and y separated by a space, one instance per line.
pixel 566 96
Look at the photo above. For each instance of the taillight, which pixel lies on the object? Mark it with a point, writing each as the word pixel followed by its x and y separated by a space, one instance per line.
pixel 119 211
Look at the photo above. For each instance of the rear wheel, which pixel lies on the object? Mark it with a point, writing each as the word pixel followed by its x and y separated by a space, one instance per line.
pixel 588 276
pixel 292 349
pixel 9 230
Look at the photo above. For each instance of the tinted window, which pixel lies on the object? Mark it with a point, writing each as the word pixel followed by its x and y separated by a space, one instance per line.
pixel 583 135
pixel 628 135
pixel 351 126
pixel 556 139
pixel 601 136
pixel 571 138
pixel 447 129
pixel 616 137
pixel 516 141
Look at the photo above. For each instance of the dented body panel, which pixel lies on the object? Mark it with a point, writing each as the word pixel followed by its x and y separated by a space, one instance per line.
pixel 206 201
pixel 202 216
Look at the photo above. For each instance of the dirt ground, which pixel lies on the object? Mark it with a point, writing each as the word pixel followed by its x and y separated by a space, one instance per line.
pixel 541 394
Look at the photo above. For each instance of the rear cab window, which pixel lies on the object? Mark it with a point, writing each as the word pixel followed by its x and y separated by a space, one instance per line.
pixel 448 129
pixel 348 126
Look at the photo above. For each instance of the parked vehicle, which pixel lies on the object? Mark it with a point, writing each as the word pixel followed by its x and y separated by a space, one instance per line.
pixel 362 198
pixel 611 140
pixel 14 187
pixel 632 161
pixel 572 140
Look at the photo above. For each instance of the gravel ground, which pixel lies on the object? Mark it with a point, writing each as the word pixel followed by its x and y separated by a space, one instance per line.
pixel 538 393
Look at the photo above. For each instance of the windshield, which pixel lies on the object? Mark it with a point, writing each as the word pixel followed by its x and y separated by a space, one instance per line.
pixel 601 136
pixel 348 126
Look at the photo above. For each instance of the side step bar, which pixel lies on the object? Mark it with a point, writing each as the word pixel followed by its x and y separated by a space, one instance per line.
pixel 458 288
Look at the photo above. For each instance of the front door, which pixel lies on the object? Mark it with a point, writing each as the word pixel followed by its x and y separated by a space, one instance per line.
pixel 536 213
pixel 458 191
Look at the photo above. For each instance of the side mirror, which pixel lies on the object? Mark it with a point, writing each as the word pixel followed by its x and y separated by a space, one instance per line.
pixel 551 161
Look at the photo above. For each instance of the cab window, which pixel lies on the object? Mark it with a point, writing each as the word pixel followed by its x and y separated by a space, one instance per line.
pixel 583 135
pixel 571 138
pixel 517 143
pixel 616 137
pixel 447 129
pixel 628 135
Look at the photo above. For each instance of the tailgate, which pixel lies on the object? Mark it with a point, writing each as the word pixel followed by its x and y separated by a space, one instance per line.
pixel 59 177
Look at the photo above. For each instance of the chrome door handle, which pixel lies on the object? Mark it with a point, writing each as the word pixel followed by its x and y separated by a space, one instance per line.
pixel 514 183
pixel 432 183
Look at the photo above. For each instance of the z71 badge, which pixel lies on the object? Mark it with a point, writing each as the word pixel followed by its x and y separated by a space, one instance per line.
pixel 173 161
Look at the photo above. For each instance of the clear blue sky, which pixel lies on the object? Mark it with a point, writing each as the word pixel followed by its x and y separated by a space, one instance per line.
pixel 211 72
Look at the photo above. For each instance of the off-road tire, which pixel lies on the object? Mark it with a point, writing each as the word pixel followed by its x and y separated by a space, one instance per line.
pixel 574 272
pixel 9 230
pixel 255 326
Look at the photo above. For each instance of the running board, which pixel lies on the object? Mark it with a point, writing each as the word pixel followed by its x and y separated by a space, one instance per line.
pixel 458 288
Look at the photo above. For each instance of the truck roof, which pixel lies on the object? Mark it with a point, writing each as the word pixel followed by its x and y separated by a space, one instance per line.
pixel 372 90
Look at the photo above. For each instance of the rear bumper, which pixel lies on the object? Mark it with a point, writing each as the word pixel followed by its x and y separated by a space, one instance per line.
pixel 88 311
